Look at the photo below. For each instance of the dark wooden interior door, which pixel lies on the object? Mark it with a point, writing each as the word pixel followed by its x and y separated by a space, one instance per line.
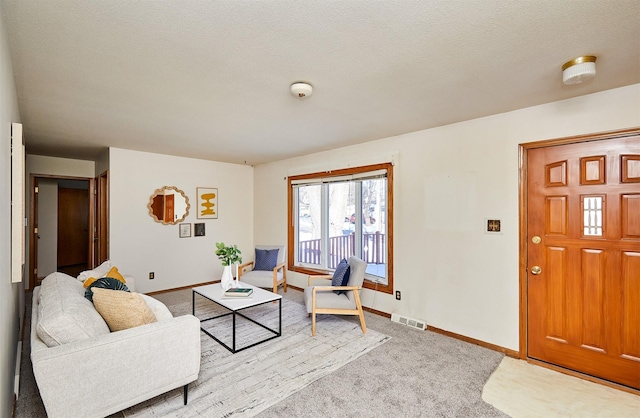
pixel 103 218
pixel 73 226
pixel 583 257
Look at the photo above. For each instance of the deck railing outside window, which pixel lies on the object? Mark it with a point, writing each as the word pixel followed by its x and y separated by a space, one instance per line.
pixel 343 246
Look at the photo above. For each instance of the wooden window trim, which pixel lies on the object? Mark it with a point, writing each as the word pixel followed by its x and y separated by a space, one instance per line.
pixel 388 288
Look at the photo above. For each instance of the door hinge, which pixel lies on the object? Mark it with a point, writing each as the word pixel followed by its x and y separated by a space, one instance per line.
pixel 35 189
pixel 35 271
pixel 35 230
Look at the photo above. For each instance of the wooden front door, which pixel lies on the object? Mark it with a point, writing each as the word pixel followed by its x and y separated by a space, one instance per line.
pixel 583 257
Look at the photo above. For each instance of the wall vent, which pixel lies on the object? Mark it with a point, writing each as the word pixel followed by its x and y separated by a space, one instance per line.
pixel 413 323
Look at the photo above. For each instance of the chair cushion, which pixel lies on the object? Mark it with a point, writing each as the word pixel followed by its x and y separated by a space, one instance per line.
pixel 326 299
pixel 122 310
pixel 341 275
pixel 265 259
pixel 260 278
pixel 105 283
pixel 282 251
pixel 64 315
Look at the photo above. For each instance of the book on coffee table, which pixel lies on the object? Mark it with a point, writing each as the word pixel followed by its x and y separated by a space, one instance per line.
pixel 238 292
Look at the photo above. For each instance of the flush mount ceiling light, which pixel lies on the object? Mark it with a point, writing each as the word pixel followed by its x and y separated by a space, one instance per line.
pixel 579 70
pixel 301 90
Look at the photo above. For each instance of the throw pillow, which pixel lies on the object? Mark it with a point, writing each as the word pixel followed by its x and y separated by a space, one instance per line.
pixel 105 283
pixel 113 273
pixel 122 310
pixel 99 271
pixel 266 259
pixel 341 276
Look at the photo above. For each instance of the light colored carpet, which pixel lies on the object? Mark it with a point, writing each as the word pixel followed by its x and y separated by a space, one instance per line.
pixel 523 390
pixel 248 382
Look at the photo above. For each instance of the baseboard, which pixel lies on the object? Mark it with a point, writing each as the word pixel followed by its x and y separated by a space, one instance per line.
pixel 503 350
pixel 157 292
pixel 295 288
pixel 16 379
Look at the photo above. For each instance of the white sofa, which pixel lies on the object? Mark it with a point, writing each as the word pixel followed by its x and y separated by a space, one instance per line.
pixel 84 370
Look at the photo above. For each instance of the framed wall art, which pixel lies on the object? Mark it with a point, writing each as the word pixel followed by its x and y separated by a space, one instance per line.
pixel 185 230
pixel 207 203
pixel 199 230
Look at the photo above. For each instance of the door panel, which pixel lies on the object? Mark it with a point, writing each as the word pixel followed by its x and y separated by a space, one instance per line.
pixel 73 226
pixel 583 201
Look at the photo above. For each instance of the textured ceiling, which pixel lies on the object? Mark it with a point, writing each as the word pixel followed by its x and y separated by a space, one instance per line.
pixel 210 79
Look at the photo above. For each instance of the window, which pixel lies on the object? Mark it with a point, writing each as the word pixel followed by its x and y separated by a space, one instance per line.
pixel 334 215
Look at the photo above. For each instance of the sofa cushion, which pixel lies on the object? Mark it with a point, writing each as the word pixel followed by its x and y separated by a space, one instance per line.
pixel 104 283
pixel 122 310
pixel 158 308
pixel 64 315
pixel 97 272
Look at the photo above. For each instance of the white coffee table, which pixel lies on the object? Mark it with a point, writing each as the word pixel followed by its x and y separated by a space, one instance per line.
pixel 215 294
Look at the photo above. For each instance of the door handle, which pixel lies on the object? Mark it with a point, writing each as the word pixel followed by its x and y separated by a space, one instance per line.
pixel 535 270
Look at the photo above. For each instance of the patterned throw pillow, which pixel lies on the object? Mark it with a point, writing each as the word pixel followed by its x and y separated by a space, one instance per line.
pixel 341 276
pixel 113 273
pixel 105 283
pixel 266 259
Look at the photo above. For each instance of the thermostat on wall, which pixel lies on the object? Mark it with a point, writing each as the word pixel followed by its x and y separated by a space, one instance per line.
pixel 492 226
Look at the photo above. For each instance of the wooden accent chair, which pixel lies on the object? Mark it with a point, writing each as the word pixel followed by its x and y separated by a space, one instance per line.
pixel 268 279
pixel 323 299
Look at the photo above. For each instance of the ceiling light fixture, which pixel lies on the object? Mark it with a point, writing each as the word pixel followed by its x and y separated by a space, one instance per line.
pixel 579 70
pixel 301 90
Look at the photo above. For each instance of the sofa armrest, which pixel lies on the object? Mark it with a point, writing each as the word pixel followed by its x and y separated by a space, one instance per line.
pixel 129 366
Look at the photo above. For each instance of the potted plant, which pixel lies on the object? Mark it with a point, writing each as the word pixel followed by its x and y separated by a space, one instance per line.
pixel 228 255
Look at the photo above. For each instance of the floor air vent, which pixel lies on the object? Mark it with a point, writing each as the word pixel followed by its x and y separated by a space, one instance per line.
pixel 413 323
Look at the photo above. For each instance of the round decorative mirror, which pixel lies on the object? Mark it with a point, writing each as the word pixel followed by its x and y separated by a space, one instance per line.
pixel 168 205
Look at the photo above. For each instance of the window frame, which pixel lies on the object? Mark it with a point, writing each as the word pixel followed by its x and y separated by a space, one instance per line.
pixel 291 234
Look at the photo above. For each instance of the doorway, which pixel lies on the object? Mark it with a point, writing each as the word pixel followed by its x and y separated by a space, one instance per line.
pixel 62 225
pixel 580 255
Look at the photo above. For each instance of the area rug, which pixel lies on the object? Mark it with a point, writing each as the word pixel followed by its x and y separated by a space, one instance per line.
pixel 524 390
pixel 248 382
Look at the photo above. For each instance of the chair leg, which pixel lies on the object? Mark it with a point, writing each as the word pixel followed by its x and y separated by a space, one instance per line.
pixel 186 393
pixel 313 313
pixel 360 312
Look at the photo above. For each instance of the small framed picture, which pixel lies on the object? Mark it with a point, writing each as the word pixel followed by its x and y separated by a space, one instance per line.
pixel 199 230
pixel 185 230
pixel 207 199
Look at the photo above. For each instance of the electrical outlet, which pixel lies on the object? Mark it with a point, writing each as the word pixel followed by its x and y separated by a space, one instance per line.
pixel 151 275
pixel 397 295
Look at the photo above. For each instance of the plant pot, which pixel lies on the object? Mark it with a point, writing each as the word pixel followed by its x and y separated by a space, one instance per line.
pixel 226 281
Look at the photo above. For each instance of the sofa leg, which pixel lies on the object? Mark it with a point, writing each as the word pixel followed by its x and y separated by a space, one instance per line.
pixel 186 391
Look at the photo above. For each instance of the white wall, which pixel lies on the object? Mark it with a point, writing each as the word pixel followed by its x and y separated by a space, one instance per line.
pixel 139 245
pixel 47 227
pixel 11 295
pixel 447 181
